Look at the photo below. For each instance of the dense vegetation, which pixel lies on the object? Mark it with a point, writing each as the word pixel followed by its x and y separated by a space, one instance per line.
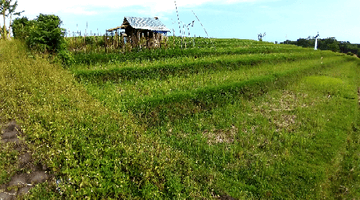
pixel 227 118
pixel 43 35
pixel 328 44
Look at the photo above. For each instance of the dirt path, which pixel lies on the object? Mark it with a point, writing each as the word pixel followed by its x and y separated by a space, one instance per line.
pixel 22 181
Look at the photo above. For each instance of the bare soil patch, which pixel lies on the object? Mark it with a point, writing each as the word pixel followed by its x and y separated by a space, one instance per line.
pixel 29 173
pixel 221 136
pixel 282 112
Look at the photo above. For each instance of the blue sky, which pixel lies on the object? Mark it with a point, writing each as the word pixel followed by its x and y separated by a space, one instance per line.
pixel 244 19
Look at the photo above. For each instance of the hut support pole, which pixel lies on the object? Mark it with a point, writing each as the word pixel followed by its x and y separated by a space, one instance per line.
pixel 105 41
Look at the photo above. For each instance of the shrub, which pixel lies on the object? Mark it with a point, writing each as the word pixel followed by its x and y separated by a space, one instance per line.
pixel 66 57
pixel 20 27
pixel 350 53
pixel 44 35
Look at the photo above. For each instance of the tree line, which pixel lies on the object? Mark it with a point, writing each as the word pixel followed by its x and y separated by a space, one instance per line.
pixel 327 44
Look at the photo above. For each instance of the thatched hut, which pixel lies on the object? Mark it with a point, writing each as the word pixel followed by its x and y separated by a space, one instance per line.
pixel 143 29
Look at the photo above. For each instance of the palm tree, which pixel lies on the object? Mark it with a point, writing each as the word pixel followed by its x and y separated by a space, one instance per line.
pixel 7 9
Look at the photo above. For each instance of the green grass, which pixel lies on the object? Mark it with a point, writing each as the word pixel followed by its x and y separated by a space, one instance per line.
pixel 284 144
pixel 222 47
pixel 135 91
pixel 245 126
pixel 182 66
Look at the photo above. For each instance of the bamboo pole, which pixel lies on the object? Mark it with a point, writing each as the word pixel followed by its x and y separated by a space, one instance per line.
pixel 105 42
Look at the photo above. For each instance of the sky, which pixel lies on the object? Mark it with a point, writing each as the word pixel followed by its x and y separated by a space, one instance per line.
pixel 244 19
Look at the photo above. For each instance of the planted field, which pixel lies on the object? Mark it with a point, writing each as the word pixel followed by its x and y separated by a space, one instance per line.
pixel 280 122
pixel 228 47
pixel 204 82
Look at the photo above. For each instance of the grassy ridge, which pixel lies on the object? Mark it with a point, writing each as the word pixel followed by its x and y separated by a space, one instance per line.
pixel 204 48
pixel 92 58
pixel 209 97
pixel 205 90
pixel 178 67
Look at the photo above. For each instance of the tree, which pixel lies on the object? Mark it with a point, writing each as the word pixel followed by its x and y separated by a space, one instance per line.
pixel 8 9
pixel 42 34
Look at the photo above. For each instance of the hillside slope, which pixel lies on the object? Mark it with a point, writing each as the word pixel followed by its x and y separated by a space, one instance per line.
pixel 280 125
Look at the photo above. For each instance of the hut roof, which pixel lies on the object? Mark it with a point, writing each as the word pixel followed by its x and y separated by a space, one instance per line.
pixel 146 23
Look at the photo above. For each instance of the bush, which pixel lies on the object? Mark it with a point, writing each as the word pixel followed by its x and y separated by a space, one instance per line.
pixel 66 57
pixel 350 53
pixel 44 35
pixel 20 27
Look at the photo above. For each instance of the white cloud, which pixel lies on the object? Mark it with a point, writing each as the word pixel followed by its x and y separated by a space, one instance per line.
pixel 91 7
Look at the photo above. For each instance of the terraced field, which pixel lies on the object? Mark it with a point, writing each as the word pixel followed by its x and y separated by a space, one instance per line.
pixel 234 119
pixel 245 113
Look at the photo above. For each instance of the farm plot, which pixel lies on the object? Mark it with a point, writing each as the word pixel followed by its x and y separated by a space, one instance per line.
pixel 289 143
pixel 196 80
pixel 184 65
pixel 90 58
pixel 262 126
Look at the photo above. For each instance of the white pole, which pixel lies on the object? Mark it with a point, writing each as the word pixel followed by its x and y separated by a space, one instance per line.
pixel 315 44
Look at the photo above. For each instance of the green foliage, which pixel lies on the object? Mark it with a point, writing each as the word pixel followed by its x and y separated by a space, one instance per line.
pixel 331 44
pixel 146 96
pixel 42 34
pixel 66 57
pixel 326 44
pixel 6 9
pixel 21 27
pixel 94 56
pixel 350 53
pixel 45 34
pixel 184 65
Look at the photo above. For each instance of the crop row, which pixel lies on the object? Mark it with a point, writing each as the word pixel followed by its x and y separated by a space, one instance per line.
pixel 141 56
pixel 160 109
pixel 173 84
pixel 180 96
pixel 267 143
pixel 162 69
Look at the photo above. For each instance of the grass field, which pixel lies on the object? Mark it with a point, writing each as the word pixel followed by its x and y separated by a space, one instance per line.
pixel 233 119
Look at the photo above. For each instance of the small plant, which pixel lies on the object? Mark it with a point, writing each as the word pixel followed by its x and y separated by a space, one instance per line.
pixel 350 53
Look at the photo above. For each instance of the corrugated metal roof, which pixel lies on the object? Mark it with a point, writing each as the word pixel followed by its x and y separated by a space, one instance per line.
pixel 147 23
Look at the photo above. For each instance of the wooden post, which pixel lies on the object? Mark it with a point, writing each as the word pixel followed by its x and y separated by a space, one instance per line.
pixel 112 41
pixel 116 40
pixel 105 38
pixel 138 38
pixel 147 39
pixel 122 42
